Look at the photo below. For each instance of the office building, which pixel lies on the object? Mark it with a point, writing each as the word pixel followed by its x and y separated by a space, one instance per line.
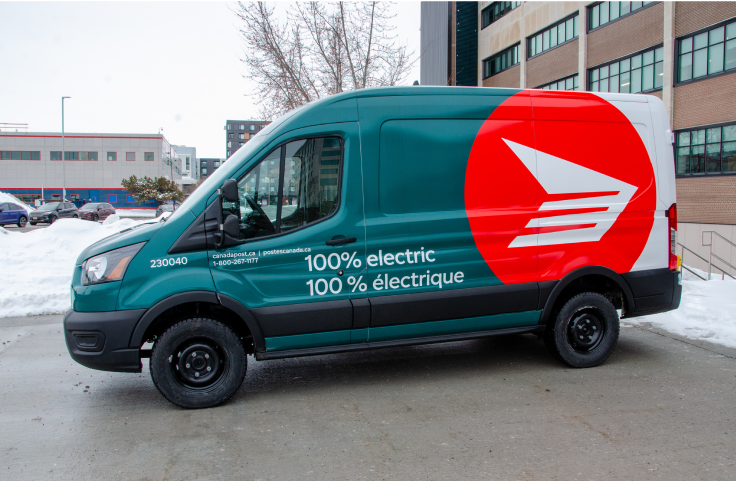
pixel 238 132
pixel 94 165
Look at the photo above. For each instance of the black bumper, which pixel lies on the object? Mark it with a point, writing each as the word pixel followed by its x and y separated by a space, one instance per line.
pixel 654 291
pixel 100 340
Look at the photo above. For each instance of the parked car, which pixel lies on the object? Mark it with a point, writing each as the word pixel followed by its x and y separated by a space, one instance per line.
pixel 13 214
pixel 95 211
pixel 167 207
pixel 51 212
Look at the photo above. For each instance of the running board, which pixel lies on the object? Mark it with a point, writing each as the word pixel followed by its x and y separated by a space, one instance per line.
pixel 362 346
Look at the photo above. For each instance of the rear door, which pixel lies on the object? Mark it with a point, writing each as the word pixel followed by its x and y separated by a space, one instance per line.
pixel 301 210
pixel 4 214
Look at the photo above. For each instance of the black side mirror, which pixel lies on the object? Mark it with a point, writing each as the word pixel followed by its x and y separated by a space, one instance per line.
pixel 230 233
pixel 229 190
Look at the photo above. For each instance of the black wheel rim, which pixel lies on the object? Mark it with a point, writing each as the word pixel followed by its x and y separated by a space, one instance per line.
pixel 199 364
pixel 586 330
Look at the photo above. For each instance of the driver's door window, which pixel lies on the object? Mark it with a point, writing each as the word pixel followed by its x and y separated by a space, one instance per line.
pixel 272 201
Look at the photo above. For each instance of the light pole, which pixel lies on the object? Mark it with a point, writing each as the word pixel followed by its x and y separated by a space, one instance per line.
pixel 63 167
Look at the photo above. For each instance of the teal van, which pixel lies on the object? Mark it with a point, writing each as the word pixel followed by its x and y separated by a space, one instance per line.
pixel 392 217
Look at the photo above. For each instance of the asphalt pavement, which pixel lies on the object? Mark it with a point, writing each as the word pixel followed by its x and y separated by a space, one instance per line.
pixel 499 408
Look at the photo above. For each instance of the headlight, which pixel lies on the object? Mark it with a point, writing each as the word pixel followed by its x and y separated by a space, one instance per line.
pixel 110 266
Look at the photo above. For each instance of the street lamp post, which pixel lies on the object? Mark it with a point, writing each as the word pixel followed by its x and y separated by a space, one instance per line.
pixel 63 153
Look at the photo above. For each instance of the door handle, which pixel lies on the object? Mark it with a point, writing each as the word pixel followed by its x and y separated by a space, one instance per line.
pixel 344 240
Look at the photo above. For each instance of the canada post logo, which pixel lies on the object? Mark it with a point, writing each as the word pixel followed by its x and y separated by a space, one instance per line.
pixel 572 188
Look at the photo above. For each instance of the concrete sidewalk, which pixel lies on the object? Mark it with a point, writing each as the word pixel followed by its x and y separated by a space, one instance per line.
pixel 499 408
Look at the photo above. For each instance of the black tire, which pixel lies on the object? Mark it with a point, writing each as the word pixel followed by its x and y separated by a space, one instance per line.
pixel 95 217
pixel 52 220
pixel 34 223
pixel 22 221
pixel 75 216
pixel 585 331
pixel 218 374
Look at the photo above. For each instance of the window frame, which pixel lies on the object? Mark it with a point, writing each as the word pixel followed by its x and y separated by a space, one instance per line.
pixel 697 175
pixel 694 34
pixel 153 157
pixel 652 49
pixel 549 28
pixel 589 17
pixel 112 198
pixel 497 54
pixel 489 7
pixel 115 157
pixel 282 169
pixel 29 152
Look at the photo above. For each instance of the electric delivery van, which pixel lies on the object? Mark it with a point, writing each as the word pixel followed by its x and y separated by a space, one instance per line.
pixel 394 217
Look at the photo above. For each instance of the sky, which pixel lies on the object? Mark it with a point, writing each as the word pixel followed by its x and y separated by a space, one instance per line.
pixel 136 67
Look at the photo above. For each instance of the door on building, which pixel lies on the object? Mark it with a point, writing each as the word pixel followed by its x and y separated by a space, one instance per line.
pixel 94 195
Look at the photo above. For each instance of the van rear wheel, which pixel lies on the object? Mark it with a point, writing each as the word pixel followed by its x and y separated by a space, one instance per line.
pixel 585 331
pixel 198 363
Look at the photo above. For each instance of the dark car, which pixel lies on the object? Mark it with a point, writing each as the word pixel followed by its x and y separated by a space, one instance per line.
pixel 49 213
pixel 167 207
pixel 95 211
pixel 11 213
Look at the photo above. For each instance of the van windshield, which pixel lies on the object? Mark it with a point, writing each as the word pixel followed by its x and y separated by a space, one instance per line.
pixel 232 164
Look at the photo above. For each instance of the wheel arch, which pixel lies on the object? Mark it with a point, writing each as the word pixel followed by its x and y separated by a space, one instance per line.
pixel 589 278
pixel 225 309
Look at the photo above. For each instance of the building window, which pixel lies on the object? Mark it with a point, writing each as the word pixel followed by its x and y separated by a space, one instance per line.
pixel 495 11
pixel 130 199
pixel 638 73
pixel 607 12
pixel 130 156
pixel 241 144
pixel 204 170
pixel 20 155
pixel 187 163
pixel 252 127
pixel 228 127
pixel 567 83
pixel 217 164
pixel 241 136
pixel 112 198
pixel 148 156
pixel 501 61
pixel 707 53
pixel 228 153
pixel 112 156
pixel 260 127
pixel 88 156
pixel 558 34
pixel 242 126
pixel 230 135
pixel 706 150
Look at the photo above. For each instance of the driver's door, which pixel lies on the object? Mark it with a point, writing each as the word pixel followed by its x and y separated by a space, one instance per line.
pixel 304 193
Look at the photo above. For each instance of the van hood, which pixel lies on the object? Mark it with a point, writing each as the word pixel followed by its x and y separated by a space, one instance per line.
pixel 132 235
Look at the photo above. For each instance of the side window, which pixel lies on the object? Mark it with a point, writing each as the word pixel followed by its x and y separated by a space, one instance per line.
pixel 293 186
pixel 4 207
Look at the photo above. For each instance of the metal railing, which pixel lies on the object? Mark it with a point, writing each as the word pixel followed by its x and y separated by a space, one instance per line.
pixel 707 241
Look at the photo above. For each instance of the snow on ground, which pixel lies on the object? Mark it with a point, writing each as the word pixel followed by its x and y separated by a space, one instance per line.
pixel 707 311
pixel 5 197
pixel 36 267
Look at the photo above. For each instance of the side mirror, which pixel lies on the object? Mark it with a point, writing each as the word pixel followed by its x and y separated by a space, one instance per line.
pixel 229 190
pixel 230 233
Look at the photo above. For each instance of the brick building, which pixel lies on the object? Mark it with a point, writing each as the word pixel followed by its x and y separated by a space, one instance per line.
pixel 682 52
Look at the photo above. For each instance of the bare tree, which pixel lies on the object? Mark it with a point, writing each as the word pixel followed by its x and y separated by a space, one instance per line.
pixel 321 49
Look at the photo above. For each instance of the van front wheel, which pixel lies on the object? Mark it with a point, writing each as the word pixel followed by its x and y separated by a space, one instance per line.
pixel 198 363
pixel 585 331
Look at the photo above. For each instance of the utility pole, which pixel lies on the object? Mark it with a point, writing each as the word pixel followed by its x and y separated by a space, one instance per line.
pixel 63 153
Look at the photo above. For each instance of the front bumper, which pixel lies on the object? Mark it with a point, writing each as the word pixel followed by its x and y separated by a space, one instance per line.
pixel 100 340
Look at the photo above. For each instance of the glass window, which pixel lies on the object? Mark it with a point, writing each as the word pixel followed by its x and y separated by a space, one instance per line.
pixel 112 156
pixel 495 11
pixel 241 136
pixel 706 151
pixel 606 12
pixel 83 156
pixel 242 126
pixel 501 61
pixel 92 155
pixel 553 36
pixel 642 72
pixel 204 170
pixel 25 156
pixel 568 83
pixel 707 53
pixel 228 127
pixel 148 156
pixel 130 156
pixel 113 198
pixel 252 127
pixel 230 135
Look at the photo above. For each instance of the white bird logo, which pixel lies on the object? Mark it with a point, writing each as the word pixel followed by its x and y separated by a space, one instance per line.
pixel 602 197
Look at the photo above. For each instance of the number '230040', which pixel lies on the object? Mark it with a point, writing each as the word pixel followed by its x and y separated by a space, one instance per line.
pixel 177 261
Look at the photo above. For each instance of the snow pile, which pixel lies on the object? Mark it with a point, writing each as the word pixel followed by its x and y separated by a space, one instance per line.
pixel 5 197
pixel 707 311
pixel 37 266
